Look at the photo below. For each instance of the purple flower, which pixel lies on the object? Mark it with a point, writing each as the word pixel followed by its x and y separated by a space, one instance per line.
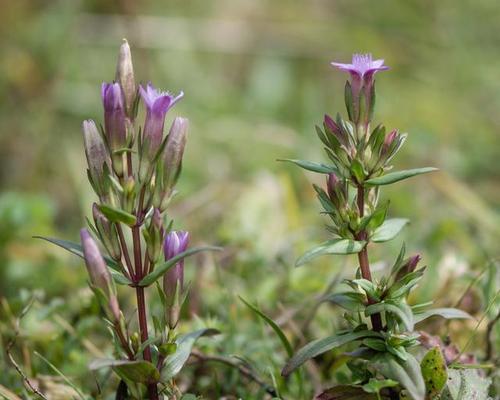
pixel 362 68
pixel 175 243
pixel 157 104
pixel 99 274
pixel 114 115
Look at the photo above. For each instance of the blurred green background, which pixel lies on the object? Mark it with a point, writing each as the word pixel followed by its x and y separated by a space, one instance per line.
pixel 256 78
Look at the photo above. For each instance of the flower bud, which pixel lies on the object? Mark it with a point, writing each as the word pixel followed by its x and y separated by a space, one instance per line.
pixel 408 266
pixel 388 142
pixel 336 190
pixel 174 150
pixel 176 242
pixel 154 236
pixel 98 158
pixel 114 115
pixel 107 232
pixel 333 128
pixel 99 275
pixel 125 77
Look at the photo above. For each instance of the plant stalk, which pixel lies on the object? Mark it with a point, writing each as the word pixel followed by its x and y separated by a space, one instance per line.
pixel 363 258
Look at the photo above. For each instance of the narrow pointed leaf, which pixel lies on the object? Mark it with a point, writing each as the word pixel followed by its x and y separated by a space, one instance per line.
pixel 312 166
pixel 398 176
pixel 117 215
pixel 274 326
pixel 164 267
pixel 321 346
pixel 137 371
pixel 175 362
pixel 389 229
pixel 448 313
pixel 336 246
pixel 76 249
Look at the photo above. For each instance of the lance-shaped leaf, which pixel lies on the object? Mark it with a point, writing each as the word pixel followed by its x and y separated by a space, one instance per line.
pixel 406 372
pixel 164 267
pixel 312 166
pixel 76 249
pixel 350 301
pixel 139 371
pixel 345 392
pixel 392 177
pixel 321 346
pixel 389 229
pixel 117 215
pixel 175 362
pixel 448 313
pixel 335 246
pixel 401 310
pixel 274 326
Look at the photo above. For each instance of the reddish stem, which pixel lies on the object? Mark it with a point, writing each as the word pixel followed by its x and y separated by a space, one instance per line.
pixel 363 258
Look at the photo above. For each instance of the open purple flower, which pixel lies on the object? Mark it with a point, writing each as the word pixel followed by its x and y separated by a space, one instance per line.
pixel 114 115
pixel 157 104
pixel 175 243
pixel 362 68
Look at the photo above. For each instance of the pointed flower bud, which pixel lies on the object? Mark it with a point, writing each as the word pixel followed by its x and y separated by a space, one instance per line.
pixel 172 155
pixel 125 77
pixel 99 275
pixel 332 127
pixel 157 104
pixel 98 158
pixel 107 232
pixel 175 243
pixel 336 190
pixel 114 115
pixel 409 265
pixel 154 236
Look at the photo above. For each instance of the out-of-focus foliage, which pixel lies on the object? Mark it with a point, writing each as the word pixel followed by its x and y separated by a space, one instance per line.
pixel 257 79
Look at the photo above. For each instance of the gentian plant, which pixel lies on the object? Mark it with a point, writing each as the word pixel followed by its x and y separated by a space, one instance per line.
pixel 133 173
pixel 379 319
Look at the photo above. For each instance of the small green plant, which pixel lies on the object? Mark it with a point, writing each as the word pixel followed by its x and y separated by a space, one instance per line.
pixel 378 317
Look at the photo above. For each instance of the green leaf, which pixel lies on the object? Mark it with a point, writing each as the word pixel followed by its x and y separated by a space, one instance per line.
pixel 321 346
pixel 117 215
pixel 351 301
pixel 76 249
pixel 401 310
pixel 466 384
pixel 312 166
pixel 357 170
pixel 375 385
pixel 448 313
pixel 345 392
pixel 119 278
pixel 407 373
pixel 375 219
pixel 398 176
pixel 335 246
pixel 389 229
pixel 175 362
pixel 284 340
pixel 434 372
pixel 368 286
pixel 139 371
pixel 164 267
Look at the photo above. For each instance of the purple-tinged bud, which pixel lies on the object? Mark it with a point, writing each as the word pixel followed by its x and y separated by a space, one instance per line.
pixel 388 141
pixel 114 115
pixel 157 104
pixel 125 76
pixel 99 275
pixel 409 265
pixel 336 190
pixel 333 128
pixel 176 242
pixel 107 233
pixel 98 158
